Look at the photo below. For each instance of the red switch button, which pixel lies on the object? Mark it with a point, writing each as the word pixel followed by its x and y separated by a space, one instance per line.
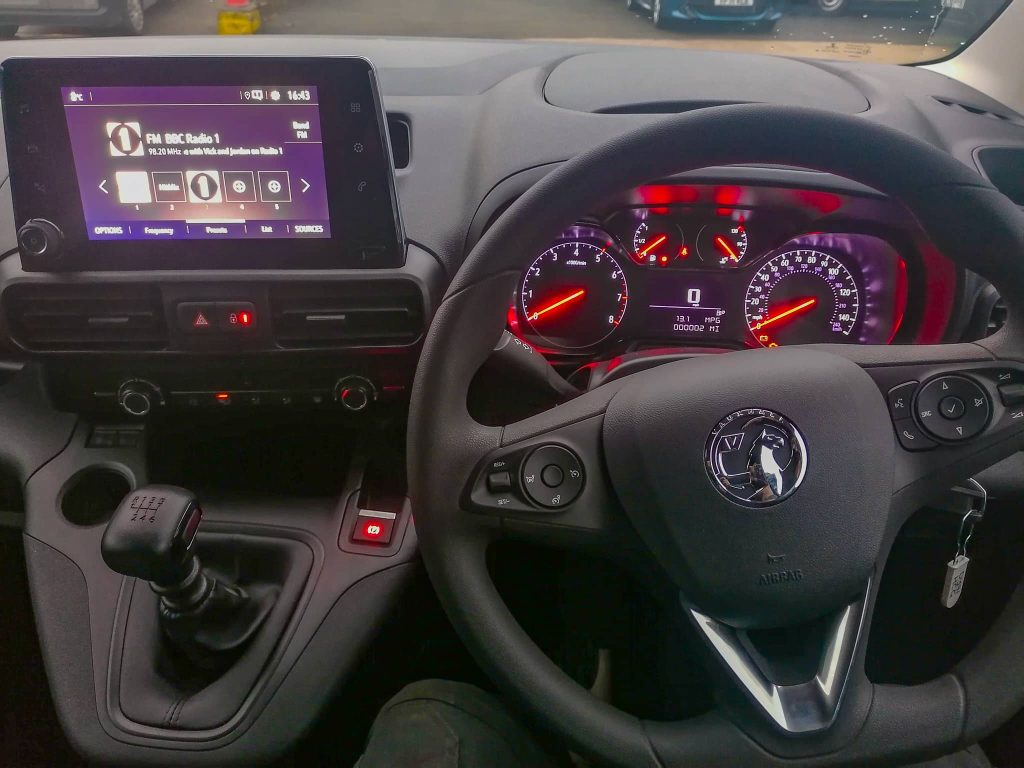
pixel 373 527
pixel 236 316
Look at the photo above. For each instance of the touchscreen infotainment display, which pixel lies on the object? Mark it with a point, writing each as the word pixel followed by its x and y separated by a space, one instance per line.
pixel 200 162
pixel 204 162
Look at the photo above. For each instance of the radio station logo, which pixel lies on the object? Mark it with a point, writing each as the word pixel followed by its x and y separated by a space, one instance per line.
pixel 125 139
pixel 203 186
pixel 169 186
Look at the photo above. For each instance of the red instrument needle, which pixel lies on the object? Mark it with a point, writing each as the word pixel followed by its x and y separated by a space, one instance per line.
pixel 723 245
pixel 803 306
pixel 653 244
pixel 557 303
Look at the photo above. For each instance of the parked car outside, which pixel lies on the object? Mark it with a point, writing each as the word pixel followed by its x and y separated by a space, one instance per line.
pixel 666 13
pixel 123 16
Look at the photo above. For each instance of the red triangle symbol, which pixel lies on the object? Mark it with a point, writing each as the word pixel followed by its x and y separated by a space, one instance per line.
pixel 200 320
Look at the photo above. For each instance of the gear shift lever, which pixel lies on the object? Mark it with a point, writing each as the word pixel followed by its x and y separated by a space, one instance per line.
pixel 151 537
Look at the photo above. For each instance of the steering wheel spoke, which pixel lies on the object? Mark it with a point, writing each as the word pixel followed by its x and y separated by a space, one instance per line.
pixel 795 676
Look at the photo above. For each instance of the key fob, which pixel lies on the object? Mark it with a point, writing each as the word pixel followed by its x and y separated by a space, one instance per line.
pixel 956 572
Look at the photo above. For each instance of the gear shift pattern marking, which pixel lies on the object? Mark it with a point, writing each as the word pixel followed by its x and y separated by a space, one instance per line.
pixel 144 504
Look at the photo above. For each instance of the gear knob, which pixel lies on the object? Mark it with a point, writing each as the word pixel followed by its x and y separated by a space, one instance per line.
pixel 150 535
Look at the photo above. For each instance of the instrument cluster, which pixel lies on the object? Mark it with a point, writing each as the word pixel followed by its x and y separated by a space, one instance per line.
pixel 721 275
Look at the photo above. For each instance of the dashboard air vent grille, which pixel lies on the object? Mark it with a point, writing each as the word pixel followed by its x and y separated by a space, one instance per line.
pixel 400 134
pixel 1004 167
pixel 86 317
pixel 366 315
pixel 978 110
pixel 997 317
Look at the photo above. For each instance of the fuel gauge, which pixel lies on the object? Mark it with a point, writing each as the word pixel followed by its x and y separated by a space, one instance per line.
pixel 659 242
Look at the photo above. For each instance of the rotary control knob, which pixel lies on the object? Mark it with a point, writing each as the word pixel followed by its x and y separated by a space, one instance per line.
pixel 137 397
pixel 552 476
pixel 355 393
pixel 40 238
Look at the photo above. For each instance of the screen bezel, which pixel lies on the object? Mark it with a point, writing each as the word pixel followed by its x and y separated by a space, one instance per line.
pixel 365 225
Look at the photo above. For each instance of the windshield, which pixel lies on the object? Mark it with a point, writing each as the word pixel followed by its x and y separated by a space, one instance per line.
pixel 891 31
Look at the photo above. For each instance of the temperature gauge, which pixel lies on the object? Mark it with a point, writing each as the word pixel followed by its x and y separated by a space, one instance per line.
pixel 723 243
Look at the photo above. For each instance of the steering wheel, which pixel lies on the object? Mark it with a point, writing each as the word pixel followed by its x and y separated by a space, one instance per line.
pixel 822 485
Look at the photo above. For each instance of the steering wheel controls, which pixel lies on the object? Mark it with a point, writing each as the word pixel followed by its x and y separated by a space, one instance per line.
pixel 952 408
pixel 956 406
pixel 542 478
pixel 552 476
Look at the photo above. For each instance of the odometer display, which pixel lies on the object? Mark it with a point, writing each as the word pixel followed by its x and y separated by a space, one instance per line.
pixel 803 296
pixel 574 294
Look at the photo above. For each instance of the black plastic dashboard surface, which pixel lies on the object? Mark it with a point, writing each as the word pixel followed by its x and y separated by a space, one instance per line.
pixel 706 77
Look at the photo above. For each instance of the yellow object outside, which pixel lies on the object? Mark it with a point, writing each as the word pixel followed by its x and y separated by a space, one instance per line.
pixel 238 22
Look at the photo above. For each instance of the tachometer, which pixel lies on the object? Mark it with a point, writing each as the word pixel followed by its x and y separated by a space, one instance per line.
pixel 574 294
pixel 803 296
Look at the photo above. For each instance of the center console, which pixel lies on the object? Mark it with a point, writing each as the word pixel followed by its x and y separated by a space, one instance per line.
pixel 223 232
pixel 216 308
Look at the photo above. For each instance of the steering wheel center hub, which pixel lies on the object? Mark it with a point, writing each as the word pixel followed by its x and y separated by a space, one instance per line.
pixel 756 457
pixel 760 521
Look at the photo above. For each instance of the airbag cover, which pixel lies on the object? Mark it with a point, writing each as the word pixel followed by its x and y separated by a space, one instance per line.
pixel 773 565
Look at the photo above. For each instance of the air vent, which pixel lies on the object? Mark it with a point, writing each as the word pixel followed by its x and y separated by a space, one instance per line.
pixel 400 134
pixel 1004 167
pixel 86 317
pixel 379 314
pixel 973 110
pixel 997 317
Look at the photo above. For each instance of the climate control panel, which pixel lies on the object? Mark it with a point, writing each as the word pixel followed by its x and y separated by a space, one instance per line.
pixel 201 387
pixel 139 398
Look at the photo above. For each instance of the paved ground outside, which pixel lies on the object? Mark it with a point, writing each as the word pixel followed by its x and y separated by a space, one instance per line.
pixel 873 29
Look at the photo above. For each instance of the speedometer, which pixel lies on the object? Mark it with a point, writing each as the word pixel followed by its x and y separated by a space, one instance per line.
pixel 803 296
pixel 574 294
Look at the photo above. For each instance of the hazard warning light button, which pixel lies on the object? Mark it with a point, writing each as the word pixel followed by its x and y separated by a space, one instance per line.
pixel 198 317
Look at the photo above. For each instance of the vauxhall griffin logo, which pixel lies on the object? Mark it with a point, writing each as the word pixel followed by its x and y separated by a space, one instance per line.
pixel 756 457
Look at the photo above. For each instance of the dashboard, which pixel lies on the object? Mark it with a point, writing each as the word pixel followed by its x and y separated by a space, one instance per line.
pixel 122 337
pixel 734 266
pixel 309 214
